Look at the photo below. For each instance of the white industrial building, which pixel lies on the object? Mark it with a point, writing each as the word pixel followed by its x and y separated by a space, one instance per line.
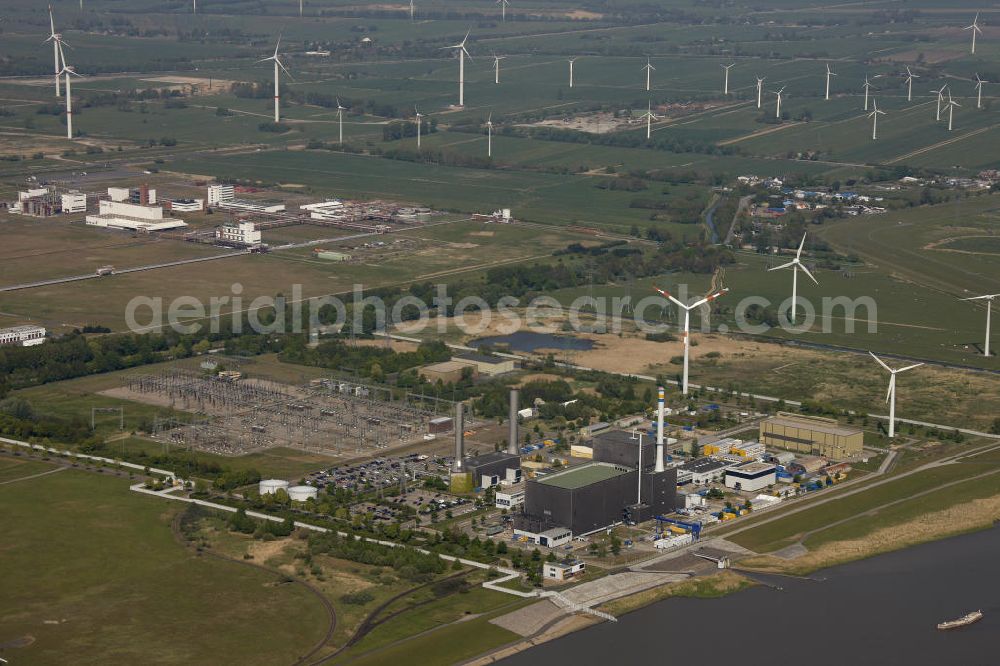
pixel 26 336
pixel 243 233
pixel 510 499
pixel 325 210
pixel 220 193
pixel 132 217
pixel 252 206
pixel 702 470
pixel 563 570
pixel 552 538
pixel 138 195
pixel 186 205
pixel 751 476
pixel 74 202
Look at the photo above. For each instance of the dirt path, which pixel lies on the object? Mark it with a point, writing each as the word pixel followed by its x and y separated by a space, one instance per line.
pixel 754 135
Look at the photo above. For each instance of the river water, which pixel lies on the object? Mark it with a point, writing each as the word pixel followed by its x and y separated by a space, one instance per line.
pixel 877 611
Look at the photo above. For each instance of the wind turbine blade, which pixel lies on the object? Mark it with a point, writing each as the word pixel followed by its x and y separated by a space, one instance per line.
pixel 880 362
pixel 802 244
pixel 909 367
pixel 52 22
pixel 788 265
pixel 806 271
pixel 667 294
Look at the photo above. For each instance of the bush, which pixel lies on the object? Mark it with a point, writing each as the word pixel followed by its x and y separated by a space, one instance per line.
pixel 359 598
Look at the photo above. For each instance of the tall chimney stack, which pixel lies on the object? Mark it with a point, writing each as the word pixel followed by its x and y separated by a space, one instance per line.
pixel 459 436
pixel 512 446
pixel 660 403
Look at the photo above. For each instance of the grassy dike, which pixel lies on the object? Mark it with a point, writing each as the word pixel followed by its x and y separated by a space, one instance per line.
pixel 709 587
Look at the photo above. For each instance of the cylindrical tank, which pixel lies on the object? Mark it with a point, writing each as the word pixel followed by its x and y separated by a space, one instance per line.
pixel 269 486
pixel 512 442
pixel 302 493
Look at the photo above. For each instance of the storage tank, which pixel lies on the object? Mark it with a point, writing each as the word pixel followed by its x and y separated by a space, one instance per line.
pixel 269 486
pixel 302 493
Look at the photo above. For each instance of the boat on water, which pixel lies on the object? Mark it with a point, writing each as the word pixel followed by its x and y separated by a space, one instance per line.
pixel 964 621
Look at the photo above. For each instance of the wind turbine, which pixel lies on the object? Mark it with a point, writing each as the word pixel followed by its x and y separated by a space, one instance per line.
pixel 951 111
pixel 340 122
pixel 940 98
pixel 503 10
pixel 571 61
pixel 56 39
pixel 687 325
pixel 974 28
pixel 411 10
pixel 650 117
pixel 829 73
pixel 979 92
pixel 796 265
pixel 909 84
pixel 891 395
pixel 989 298
pixel 760 90
pixel 462 52
pixel 649 71
pixel 874 116
pixel 777 113
pixel 194 6
pixel 277 64
pixel 868 87
pixel 420 122
pixel 68 70
pixel 725 89
pixel 301 7
pixel 496 67
pixel 489 135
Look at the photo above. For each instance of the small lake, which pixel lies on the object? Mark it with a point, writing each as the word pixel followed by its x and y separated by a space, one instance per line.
pixel 529 341
pixel 883 611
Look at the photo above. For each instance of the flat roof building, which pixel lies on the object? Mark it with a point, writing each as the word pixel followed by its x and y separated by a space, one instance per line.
pixel 812 435
pixel 704 470
pixel 621 447
pixel 562 570
pixel 752 476
pixel 486 364
pixel 132 217
pixel 490 469
pixel 26 336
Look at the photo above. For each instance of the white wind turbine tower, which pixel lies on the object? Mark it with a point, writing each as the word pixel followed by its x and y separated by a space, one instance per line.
pixel 940 99
pixel 68 71
pixel 340 122
pixel 650 117
pixel 301 7
pixel 496 67
pixel 796 265
pixel 462 52
pixel 411 10
pixel 571 61
pixel 829 73
pixel 874 116
pixel 687 325
pixel 649 73
pixel 489 135
pixel 974 28
pixel 951 111
pixel 909 84
pixel 277 63
pixel 760 90
pixel 868 87
pixel 979 92
pixel 194 6
pixel 725 88
pixel 503 10
pixel 420 121
pixel 56 39
pixel 989 298
pixel 777 112
pixel 891 395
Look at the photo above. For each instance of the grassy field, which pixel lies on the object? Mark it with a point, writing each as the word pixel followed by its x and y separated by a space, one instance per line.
pixel 123 590
pixel 788 530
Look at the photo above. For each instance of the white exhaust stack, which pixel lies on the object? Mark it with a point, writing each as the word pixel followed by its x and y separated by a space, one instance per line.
pixel 659 430
pixel 512 425
pixel 459 436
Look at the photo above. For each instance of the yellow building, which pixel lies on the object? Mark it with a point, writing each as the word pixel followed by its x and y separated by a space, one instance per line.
pixel 811 435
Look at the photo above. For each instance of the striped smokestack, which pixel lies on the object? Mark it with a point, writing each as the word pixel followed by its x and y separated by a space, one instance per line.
pixel 659 430
pixel 512 423
pixel 459 436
